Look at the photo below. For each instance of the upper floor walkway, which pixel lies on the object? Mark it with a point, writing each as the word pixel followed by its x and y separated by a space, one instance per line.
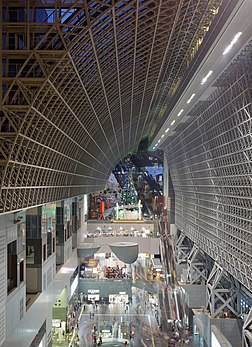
pixel 144 233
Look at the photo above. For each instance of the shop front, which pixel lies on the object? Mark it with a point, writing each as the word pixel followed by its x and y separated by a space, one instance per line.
pixel 93 295
pixel 106 331
pixel 106 290
pixel 90 269
pixel 119 298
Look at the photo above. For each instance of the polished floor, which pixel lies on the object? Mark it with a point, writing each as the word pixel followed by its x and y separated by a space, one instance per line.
pixel 117 323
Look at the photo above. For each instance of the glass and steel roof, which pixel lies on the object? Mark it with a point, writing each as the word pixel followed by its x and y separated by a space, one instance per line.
pixel 82 83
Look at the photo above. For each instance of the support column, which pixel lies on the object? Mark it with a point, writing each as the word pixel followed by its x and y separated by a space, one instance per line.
pixel 247 331
pixel 166 182
pixel 196 266
pixel 75 220
pixel 222 293
pixel 36 250
pixel 168 202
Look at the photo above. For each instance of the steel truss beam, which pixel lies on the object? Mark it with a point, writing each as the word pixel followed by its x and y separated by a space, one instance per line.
pixel 196 265
pixel 183 248
pixel 81 81
pixel 222 292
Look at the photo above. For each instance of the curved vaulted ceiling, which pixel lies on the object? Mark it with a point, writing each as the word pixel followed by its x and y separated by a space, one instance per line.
pixel 83 83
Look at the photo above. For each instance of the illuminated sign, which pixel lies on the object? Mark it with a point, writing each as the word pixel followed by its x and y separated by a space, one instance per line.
pixel 93 291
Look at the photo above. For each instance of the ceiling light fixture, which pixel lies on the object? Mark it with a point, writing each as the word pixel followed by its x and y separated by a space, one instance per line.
pixel 232 42
pixel 206 77
pixel 190 99
pixel 162 136
pixel 173 122
pixel 159 141
pixel 167 130
pixel 180 112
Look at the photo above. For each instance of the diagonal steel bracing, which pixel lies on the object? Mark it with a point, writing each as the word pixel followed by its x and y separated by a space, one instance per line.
pixel 222 292
pixel 196 265
pixel 183 248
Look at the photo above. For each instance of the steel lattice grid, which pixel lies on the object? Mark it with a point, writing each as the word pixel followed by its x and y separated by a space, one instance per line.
pixel 211 170
pixel 191 16
pixel 80 81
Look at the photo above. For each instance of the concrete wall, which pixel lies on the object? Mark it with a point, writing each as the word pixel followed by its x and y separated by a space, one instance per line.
pixel 3 277
pixel 64 251
pixel 60 254
pixel 229 328
pixel 15 308
pixel 38 278
pixel 195 295
pixel 67 249
pixel 12 306
pixel 34 279
pixel 81 232
pixel 48 271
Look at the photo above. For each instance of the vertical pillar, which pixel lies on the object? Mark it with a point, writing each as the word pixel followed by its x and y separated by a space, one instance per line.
pixel 169 201
pixel 139 210
pixel 75 220
pixel 102 210
pixel 166 181
pixel 60 232
pixel 117 211
pixel 36 250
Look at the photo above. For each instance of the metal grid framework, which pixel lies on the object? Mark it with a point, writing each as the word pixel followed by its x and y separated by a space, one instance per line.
pixel 83 82
pixel 210 163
